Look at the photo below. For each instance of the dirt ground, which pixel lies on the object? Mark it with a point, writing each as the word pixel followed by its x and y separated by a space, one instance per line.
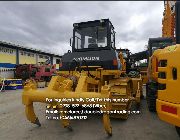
pixel 15 126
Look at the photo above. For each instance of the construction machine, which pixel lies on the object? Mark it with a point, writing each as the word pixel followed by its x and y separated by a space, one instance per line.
pixel 168 21
pixel 168 38
pixel 92 70
pixel 125 59
pixel 168 99
pixel 142 66
pixel 41 73
pixel 128 61
pixel 154 47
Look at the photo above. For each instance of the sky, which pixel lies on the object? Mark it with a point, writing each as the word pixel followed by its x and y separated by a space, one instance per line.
pixel 48 25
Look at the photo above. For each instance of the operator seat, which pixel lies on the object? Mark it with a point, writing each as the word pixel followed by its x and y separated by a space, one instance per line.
pixel 92 46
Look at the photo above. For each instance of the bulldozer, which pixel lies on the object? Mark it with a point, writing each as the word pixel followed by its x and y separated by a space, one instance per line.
pixel 93 71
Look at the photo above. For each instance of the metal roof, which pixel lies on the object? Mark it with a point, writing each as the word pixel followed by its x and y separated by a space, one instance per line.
pixel 26 48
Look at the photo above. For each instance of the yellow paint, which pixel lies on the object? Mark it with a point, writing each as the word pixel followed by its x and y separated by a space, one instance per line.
pixel 168 117
pixel 97 83
pixel 172 48
pixel 27 59
pixel 57 66
pixel 169 96
pixel 171 93
pixel 58 90
pixel 87 87
pixel 151 72
pixel 42 60
pixel 7 58
pixel 168 22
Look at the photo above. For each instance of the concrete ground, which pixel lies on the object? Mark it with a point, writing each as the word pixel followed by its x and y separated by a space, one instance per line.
pixel 15 126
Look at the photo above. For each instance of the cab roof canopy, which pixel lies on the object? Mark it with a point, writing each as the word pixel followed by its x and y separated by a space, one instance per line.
pixel 102 22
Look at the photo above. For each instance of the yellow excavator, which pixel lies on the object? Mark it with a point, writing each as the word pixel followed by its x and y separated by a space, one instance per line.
pixel 162 89
pixel 155 45
pixel 168 98
pixel 92 73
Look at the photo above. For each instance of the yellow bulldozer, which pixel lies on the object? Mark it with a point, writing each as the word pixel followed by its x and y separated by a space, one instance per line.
pixel 92 73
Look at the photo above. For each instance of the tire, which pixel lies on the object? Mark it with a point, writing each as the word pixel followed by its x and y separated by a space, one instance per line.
pixel 151 95
pixel 178 130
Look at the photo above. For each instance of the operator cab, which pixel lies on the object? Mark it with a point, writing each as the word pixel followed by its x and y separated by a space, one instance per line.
pixel 93 36
pixel 158 43
pixel 93 45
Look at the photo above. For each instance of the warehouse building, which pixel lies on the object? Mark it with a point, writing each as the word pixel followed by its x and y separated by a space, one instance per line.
pixel 12 54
